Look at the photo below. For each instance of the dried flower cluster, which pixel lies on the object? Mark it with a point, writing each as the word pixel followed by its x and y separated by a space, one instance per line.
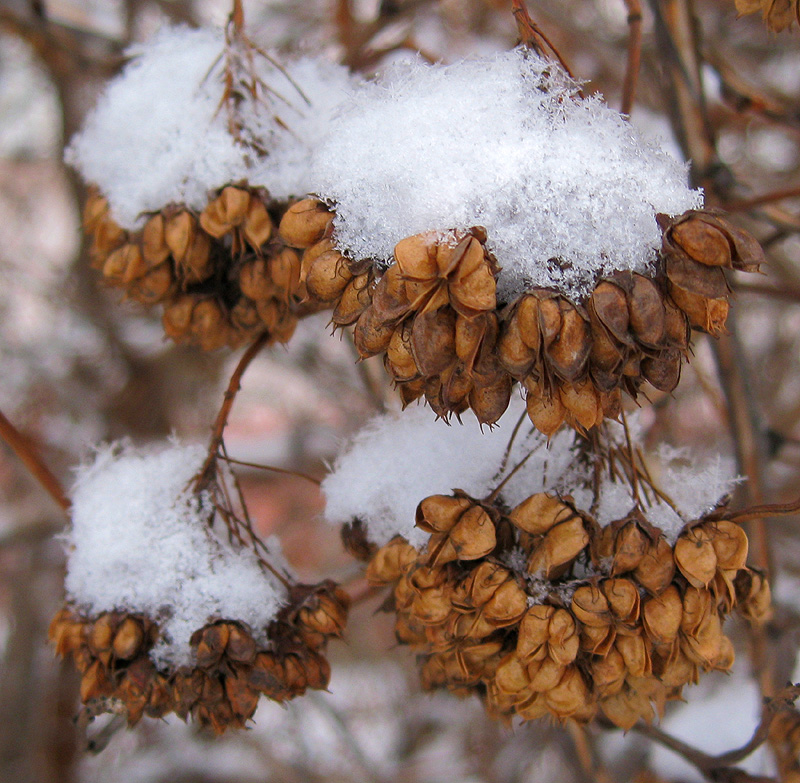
pixel 223 275
pixel 435 317
pixel 542 612
pixel 233 664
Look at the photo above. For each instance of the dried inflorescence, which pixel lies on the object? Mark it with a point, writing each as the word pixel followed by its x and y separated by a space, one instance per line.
pixel 541 611
pixel 575 359
pixel 435 318
pixel 233 664
pixel 222 275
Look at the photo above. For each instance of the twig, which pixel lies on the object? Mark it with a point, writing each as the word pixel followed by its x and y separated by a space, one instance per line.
pixel 634 478
pixel 511 440
pixel 531 35
pixel 764 510
pixel 272 468
pixel 237 16
pixel 634 55
pixel 719 768
pixel 346 734
pixel 498 489
pixel 26 452
pixel 784 292
pixel 765 198
pixel 206 474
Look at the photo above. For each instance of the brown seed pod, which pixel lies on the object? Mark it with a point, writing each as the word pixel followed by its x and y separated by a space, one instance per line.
pixel 305 223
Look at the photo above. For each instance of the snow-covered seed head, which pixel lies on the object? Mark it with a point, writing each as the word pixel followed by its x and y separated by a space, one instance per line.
pixel 587 618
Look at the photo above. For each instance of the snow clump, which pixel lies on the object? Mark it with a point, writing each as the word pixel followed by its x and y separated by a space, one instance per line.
pixel 565 187
pixel 140 542
pixel 159 133
pixel 397 460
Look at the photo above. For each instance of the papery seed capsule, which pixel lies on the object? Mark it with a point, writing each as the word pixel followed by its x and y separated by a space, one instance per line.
pixel 305 223
pixel 128 639
pixel 695 556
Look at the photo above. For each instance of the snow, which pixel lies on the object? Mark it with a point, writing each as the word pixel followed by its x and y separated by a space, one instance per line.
pixel 732 705
pixel 503 142
pixel 140 541
pixel 399 459
pixel 159 134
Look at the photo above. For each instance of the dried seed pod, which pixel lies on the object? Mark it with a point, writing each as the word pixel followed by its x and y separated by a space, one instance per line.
pixel 355 298
pixel 512 350
pixel 700 291
pixel 590 606
pixel 128 639
pixel 328 277
pixel 646 310
pixel 623 600
pixel 753 597
pixel 568 353
pixel 695 556
pixel 546 411
pixel 471 537
pixel 662 616
pixel 559 547
pixel 657 567
pixel 630 547
pixel 730 544
pixel 305 223
pixel 539 513
pixel 226 212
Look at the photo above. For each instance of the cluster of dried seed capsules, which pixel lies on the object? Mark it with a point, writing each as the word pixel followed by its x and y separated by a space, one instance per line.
pixel 232 666
pixel 542 612
pixel 222 276
pixel 435 318
pixel 227 274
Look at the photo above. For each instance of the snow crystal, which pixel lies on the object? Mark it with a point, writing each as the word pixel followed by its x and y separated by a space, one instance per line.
pixel 159 135
pixel 398 460
pixel 565 186
pixel 140 541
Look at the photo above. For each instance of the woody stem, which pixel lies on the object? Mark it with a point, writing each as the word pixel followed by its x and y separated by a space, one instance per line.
pixel 26 452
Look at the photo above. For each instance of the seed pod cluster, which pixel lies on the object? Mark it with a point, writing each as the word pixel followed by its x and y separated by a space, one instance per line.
pixel 329 279
pixel 232 667
pixel 697 246
pixel 433 316
pixel 542 612
pixel 222 276
pixel 574 359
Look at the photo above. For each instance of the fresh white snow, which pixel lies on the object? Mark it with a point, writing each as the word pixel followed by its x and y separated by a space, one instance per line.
pixel 140 541
pixel 564 185
pixel 399 459
pixel 159 135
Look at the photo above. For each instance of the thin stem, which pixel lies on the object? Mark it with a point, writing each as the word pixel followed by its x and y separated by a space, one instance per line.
pixel 272 468
pixel 26 452
pixel 764 198
pixel 634 478
pixel 764 510
pixel 499 488
pixel 237 17
pixel 531 35
pixel 511 440
pixel 634 55
pixel 206 474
